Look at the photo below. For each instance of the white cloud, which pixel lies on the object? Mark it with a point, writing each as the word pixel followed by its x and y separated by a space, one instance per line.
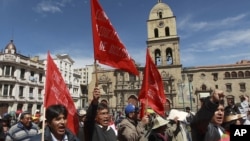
pixel 48 6
pixel 187 23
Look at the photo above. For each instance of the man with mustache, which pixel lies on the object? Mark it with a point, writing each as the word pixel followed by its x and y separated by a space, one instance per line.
pixel 206 124
pixel 96 126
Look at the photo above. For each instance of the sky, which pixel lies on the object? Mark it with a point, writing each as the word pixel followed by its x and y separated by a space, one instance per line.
pixel 212 32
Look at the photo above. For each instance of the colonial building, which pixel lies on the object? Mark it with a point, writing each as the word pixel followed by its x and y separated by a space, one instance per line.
pixel 21 81
pixel 183 86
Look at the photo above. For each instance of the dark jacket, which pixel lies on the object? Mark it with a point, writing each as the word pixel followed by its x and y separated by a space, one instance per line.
pixel 92 131
pixel 48 137
pixel 154 136
pixel 202 129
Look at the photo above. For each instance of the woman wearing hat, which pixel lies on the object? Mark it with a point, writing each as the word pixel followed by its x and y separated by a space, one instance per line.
pixel 158 130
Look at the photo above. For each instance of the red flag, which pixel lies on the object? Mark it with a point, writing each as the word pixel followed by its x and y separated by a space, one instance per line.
pixel 56 92
pixel 108 49
pixel 152 91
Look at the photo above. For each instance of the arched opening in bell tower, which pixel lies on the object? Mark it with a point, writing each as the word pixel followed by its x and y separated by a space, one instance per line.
pixel 167 33
pixel 169 56
pixel 157 55
pixel 156 32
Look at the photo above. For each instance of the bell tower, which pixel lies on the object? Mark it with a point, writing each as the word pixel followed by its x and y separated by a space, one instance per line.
pixel 163 45
pixel 163 41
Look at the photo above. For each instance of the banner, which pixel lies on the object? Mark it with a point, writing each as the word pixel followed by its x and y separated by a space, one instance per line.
pixel 152 91
pixel 108 48
pixel 57 92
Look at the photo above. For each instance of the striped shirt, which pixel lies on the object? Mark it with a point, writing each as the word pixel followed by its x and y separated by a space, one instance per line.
pixel 20 133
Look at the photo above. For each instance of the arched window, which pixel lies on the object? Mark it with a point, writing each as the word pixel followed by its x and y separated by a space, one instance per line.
pixel 157 57
pixel 160 15
pixel 234 74
pixel 156 33
pixel 240 74
pixel 167 33
pixel 227 75
pixel 169 56
pixel 203 87
pixel 247 73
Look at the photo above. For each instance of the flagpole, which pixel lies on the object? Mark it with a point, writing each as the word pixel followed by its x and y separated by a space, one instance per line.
pixel 43 125
pixel 96 77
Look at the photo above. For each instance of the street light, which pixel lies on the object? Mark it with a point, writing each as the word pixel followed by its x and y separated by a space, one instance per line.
pixel 181 87
pixel 190 79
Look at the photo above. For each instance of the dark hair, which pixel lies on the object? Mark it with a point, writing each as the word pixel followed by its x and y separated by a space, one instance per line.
pixel 54 111
pixel 102 106
pixel 188 108
pixel 24 113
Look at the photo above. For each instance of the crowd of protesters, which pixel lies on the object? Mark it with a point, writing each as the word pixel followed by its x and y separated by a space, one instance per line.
pixel 210 123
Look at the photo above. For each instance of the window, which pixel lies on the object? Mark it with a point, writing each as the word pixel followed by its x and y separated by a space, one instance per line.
pixel 7 71
pixel 19 106
pixel 22 75
pixel 7 90
pixel 240 74
pixel 242 87
pixel 247 73
pixel 40 77
pixel 31 92
pixel 167 33
pixel 157 57
pixel 21 88
pixel 228 87
pixel 156 33
pixel 39 91
pixel 227 75
pixel 215 76
pixel 216 87
pixel 30 107
pixel 203 87
pixel 32 73
pixel 234 75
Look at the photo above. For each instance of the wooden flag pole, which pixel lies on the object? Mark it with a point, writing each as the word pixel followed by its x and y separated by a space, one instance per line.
pixel 96 77
pixel 43 125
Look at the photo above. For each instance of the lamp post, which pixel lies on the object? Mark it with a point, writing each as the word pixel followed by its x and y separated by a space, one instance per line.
pixel 190 92
pixel 181 87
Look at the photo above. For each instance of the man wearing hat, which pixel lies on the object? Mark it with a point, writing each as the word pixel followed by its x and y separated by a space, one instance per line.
pixel 130 129
pixel 158 132
pixel 81 117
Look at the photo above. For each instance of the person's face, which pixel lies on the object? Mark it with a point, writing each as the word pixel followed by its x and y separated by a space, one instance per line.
pixel 162 129
pixel 237 122
pixel 58 126
pixel 26 121
pixel 218 115
pixel 230 101
pixel 82 118
pixel 102 117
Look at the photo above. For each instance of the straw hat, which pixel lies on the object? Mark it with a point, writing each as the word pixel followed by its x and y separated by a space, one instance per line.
pixel 159 121
pixel 233 117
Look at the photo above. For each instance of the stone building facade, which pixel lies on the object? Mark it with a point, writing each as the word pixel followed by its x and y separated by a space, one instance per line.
pixel 183 86
pixel 22 81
